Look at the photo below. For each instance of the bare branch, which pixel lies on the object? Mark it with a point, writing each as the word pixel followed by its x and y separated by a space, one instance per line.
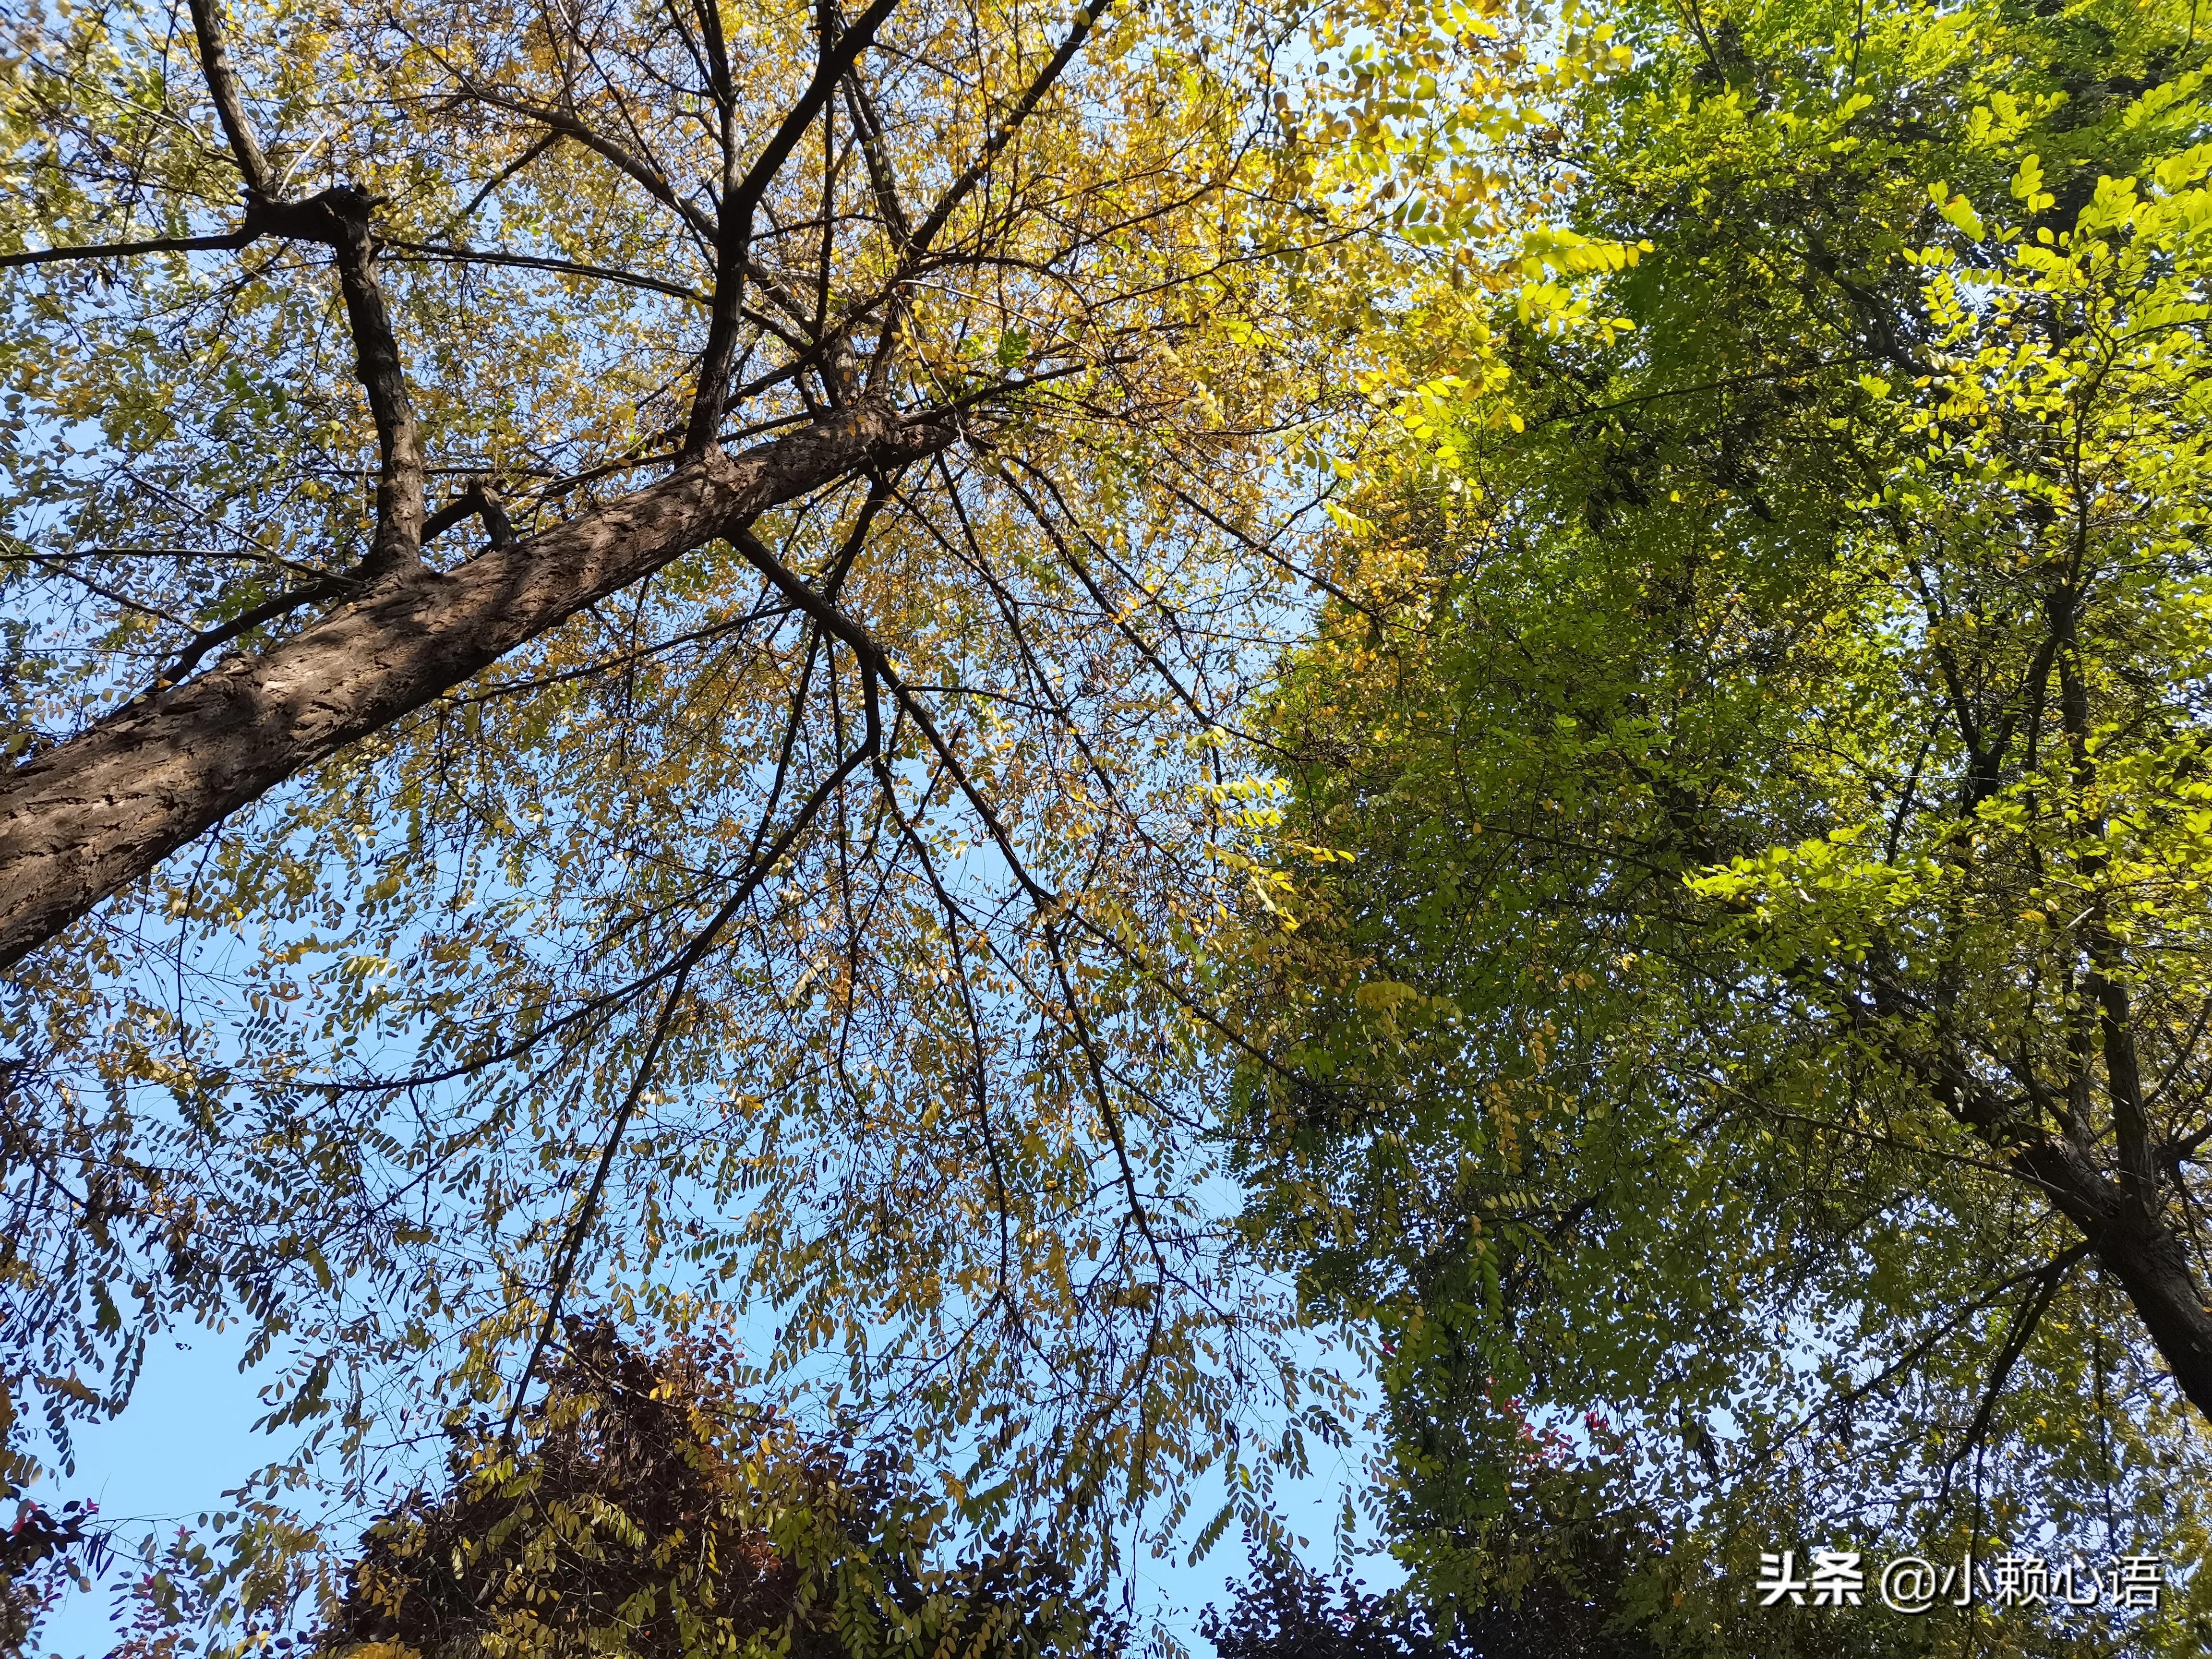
pixel 568 125
pixel 189 654
pixel 235 239
pixel 337 218
pixel 230 109
pixel 516 166
pixel 399 540
pixel 733 238
pixel 478 256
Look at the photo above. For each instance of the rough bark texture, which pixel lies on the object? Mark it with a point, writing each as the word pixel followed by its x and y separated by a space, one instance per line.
pixel 85 820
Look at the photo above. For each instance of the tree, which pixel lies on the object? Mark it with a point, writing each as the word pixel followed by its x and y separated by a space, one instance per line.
pixel 648 1512
pixel 646 1507
pixel 1763 1002
pixel 1287 1611
pixel 92 814
pixel 684 664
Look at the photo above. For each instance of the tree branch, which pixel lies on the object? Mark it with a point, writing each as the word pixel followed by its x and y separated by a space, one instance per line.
pixel 91 814
pixel 734 229
pixel 189 654
pixel 881 179
pixel 957 191
pixel 2047 1278
pixel 478 256
pixel 572 1245
pixel 228 243
pixel 229 108
pixel 337 218
pixel 478 500
pixel 398 543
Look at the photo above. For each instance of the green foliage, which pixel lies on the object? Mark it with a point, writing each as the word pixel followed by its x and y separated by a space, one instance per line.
pixel 1754 991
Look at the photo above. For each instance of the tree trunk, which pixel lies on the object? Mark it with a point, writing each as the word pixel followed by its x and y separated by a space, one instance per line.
pixel 85 820
pixel 2137 1248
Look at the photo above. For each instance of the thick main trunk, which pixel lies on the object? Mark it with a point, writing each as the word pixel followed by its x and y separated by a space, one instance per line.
pixel 2147 1258
pixel 86 819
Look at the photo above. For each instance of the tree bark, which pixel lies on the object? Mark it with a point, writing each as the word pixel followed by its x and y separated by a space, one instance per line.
pixel 2148 1258
pixel 83 820
pixel 2124 1223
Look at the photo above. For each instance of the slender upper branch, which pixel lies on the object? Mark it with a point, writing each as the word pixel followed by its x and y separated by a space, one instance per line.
pixel 881 179
pixel 481 255
pixel 230 109
pixel 915 245
pixel 337 218
pixel 399 537
pixel 568 125
pixel 957 191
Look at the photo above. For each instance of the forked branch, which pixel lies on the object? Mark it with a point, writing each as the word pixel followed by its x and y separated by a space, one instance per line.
pixel 338 218
pixel 734 226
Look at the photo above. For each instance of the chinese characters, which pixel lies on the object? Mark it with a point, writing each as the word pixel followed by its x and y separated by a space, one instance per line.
pixel 1915 1584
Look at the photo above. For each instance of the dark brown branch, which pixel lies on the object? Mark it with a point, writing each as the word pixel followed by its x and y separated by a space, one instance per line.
pixel 337 218
pixel 881 181
pixel 1923 1347
pixel 478 500
pixel 228 243
pixel 568 125
pixel 479 256
pixel 2048 1279
pixel 549 141
pixel 2131 1239
pixel 1003 135
pixel 1111 612
pixel 62 567
pixel 762 863
pixel 229 108
pixel 875 665
pixel 627 660
pixel 398 543
pixel 734 231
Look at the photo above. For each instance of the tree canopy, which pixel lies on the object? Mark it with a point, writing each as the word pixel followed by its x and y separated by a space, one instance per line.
pixel 1762 1009
pixel 976 722
pixel 613 612
pixel 648 1510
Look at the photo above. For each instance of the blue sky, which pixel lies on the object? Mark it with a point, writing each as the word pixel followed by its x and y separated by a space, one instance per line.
pixel 188 1434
